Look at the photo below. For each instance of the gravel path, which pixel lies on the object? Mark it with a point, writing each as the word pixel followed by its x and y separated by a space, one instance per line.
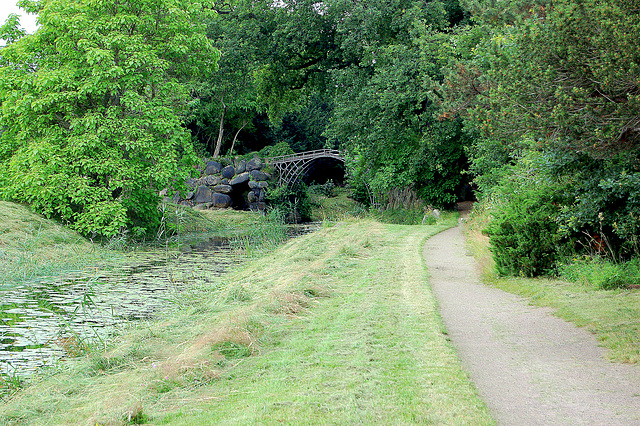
pixel 530 367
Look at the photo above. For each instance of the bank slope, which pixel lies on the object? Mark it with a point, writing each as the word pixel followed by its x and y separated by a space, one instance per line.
pixel 336 327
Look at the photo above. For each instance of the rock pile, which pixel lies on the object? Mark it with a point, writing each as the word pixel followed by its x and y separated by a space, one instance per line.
pixel 240 185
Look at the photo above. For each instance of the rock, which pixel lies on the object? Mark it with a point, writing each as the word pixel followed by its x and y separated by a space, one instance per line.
pixel 203 195
pixel 253 184
pixel 192 183
pixel 200 207
pixel 176 198
pixel 189 195
pixel 212 180
pixel 259 175
pixel 241 166
pixel 223 189
pixel 436 213
pixel 221 201
pixel 261 195
pixel 261 206
pixel 241 178
pixel 263 185
pixel 163 193
pixel 228 172
pixel 225 181
pixel 213 168
pixel 254 164
pixel 251 197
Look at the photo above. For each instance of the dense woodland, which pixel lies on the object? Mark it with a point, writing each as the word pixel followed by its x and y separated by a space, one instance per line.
pixel 533 102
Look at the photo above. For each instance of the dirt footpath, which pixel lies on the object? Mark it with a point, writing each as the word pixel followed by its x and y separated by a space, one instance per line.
pixel 530 367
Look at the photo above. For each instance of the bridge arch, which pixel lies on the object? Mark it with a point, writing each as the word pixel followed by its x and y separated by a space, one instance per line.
pixel 292 167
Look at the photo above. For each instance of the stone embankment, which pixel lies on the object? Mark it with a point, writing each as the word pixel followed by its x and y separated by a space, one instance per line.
pixel 241 185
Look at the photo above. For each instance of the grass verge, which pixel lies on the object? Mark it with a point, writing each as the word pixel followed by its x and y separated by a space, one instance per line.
pixel 335 327
pixel 613 315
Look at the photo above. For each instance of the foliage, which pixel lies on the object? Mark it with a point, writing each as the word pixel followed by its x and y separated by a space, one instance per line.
pixel 383 115
pixel 93 107
pixel 600 273
pixel 524 231
pixel 559 78
pixel 291 202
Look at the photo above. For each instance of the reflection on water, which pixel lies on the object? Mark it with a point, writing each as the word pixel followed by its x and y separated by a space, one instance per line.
pixel 40 322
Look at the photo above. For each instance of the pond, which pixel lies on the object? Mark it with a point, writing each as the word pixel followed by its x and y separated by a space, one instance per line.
pixel 44 321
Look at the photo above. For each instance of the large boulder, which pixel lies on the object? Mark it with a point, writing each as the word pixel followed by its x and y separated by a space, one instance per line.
pixel 213 168
pixel 241 166
pixel 228 172
pixel 259 175
pixel 223 189
pixel 254 164
pixel 221 201
pixel 203 195
pixel 241 178
pixel 176 198
pixel 212 180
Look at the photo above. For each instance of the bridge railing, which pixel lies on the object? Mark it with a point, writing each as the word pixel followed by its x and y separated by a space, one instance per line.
pixel 307 155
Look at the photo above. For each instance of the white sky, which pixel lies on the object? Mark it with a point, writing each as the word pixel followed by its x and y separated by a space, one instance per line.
pixel 27 21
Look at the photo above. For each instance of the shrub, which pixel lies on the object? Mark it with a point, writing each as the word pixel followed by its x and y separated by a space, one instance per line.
pixel 524 233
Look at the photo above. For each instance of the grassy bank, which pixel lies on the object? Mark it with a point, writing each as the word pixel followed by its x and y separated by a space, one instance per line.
pixel 32 247
pixel 335 327
pixel 613 315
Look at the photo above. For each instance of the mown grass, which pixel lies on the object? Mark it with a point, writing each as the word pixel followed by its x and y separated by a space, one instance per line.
pixel 613 315
pixel 335 327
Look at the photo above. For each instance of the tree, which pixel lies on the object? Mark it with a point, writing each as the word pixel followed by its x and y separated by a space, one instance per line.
pixel 93 107
pixel 559 79
pixel 383 113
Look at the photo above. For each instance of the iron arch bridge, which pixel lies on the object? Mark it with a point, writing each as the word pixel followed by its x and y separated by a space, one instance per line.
pixel 291 167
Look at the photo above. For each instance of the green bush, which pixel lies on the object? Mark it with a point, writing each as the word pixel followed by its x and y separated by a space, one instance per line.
pixel 291 203
pixel 524 234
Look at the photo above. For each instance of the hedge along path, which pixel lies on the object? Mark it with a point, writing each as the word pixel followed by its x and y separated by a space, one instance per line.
pixel 369 350
pixel 530 367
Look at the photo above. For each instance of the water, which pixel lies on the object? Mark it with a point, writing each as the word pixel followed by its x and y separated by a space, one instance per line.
pixel 44 321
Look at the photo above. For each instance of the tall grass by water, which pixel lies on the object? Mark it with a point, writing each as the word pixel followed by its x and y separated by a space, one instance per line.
pixel 32 247
pixel 338 327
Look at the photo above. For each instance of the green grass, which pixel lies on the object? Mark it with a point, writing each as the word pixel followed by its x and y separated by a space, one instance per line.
pixel 335 327
pixel 336 207
pixel 612 315
pixel 32 246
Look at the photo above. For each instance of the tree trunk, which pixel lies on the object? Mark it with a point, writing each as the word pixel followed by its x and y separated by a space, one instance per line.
pixel 216 153
pixel 235 137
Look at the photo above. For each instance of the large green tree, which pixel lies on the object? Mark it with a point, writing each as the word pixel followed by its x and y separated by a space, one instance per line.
pixel 383 113
pixel 93 106
pixel 558 81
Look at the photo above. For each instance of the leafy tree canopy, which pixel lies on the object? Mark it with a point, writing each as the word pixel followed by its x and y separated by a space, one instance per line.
pixel 93 106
